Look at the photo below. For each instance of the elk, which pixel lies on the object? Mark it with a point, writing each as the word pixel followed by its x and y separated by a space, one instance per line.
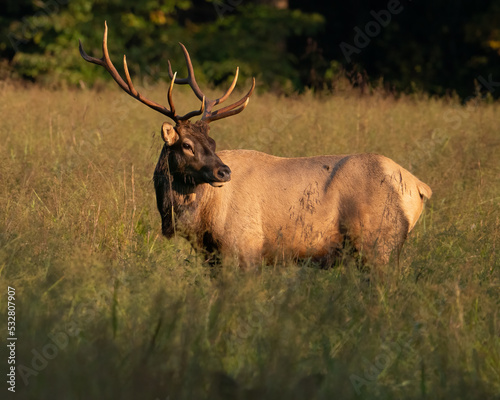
pixel 257 207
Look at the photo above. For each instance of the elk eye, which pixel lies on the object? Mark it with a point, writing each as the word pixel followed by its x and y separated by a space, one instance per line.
pixel 187 146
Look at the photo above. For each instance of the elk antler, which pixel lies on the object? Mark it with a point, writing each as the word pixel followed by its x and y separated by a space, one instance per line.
pixel 209 115
pixel 128 86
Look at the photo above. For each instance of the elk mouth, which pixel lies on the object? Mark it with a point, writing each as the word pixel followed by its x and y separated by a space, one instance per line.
pixel 217 184
pixel 219 181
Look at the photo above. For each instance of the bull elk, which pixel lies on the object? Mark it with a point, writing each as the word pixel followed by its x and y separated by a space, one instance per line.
pixel 257 206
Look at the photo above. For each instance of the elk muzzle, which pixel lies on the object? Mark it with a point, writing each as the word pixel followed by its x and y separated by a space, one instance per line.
pixel 221 174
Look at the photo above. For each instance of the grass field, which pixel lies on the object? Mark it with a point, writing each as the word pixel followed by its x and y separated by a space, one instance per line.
pixel 108 309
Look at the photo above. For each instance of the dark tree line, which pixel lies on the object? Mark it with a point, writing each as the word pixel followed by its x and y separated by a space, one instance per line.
pixel 438 47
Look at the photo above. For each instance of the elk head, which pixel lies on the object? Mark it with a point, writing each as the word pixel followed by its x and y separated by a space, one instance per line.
pixel 190 155
pixel 189 152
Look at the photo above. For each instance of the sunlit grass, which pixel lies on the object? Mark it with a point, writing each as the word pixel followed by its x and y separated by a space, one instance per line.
pixel 138 316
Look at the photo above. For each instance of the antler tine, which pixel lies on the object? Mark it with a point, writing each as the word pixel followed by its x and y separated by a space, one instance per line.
pixel 230 110
pixel 129 80
pixel 169 94
pixel 102 61
pixel 228 92
pixel 128 86
pixel 191 79
pixel 215 117
pixel 109 65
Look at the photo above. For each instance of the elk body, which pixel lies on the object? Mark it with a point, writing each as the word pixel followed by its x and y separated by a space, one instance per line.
pixel 257 207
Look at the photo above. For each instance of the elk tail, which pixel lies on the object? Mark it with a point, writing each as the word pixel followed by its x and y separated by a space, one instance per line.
pixel 424 190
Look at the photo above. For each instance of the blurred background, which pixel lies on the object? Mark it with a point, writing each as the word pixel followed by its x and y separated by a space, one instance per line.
pixel 438 47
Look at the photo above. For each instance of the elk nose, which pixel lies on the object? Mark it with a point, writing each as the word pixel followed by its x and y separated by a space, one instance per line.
pixel 223 173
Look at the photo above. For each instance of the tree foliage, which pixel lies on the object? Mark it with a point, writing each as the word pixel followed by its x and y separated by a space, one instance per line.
pixel 43 45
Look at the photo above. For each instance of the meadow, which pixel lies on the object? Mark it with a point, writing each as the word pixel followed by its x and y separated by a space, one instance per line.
pixel 106 308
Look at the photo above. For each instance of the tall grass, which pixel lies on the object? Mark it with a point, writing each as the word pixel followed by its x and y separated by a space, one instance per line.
pixel 107 308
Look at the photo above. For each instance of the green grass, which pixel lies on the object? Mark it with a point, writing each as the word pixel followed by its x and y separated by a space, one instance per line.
pixel 137 316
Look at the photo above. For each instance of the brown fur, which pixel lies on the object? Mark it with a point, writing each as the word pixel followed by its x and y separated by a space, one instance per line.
pixel 296 207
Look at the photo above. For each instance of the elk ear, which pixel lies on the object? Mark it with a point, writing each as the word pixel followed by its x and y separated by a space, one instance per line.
pixel 169 134
pixel 211 143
